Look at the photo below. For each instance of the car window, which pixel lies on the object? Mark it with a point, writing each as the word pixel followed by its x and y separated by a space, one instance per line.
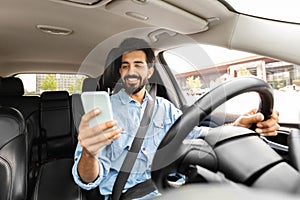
pixel 280 10
pixel 213 65
pixel 35 84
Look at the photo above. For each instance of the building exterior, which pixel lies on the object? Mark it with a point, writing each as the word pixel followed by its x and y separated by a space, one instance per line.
pixel 277 73
pixel 69 82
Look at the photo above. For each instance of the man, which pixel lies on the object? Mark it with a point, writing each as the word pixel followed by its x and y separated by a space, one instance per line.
pixel 99 157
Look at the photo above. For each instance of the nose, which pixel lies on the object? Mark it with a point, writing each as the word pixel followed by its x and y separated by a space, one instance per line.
pixel 131 69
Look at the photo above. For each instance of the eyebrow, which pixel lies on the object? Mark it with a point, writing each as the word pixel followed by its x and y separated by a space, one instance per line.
pixel 136 62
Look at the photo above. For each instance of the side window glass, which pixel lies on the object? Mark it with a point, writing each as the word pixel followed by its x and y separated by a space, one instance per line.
pixel 198 70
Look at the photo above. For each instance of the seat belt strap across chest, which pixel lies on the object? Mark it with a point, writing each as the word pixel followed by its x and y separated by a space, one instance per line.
pixel 135 148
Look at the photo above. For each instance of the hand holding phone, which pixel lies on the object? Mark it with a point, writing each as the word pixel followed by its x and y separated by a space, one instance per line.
pixel 97 99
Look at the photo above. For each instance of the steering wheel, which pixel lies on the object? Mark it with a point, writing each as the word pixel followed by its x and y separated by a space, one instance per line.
pixel 172 150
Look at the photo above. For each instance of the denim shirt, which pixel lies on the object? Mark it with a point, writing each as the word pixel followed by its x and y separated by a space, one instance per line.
pixel 128 113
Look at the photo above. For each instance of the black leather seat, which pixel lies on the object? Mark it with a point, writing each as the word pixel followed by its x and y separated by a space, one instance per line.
pixel 12 95
pixel 56 125
pixel 13 156
pixel 54 179
pixel 55 182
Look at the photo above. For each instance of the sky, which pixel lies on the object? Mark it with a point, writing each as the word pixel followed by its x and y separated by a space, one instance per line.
pixel 29 81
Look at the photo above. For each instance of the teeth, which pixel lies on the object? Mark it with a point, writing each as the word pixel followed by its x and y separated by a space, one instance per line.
pixel 132 79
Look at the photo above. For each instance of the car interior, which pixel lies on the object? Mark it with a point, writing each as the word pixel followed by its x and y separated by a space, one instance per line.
pixel 38 131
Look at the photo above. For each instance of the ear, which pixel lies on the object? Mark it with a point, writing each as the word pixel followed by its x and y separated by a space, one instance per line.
pixel 150 72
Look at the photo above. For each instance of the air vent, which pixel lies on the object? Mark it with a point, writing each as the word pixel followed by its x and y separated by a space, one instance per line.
pixel 54 30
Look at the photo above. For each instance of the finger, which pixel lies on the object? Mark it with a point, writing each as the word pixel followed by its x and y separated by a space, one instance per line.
pixel 273 133
pixel 93 149
pixel 270 122
pixel 86 132
pixel 252 119
pixel 113 134
pixel 252 112
pixel 103 127
pixel 99 140
pixel 275 115
pixel 270 131
pixel 266 124
pixel 103 136
pixel 85 119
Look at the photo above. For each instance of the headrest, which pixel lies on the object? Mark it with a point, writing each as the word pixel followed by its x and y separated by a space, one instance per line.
pixel 11 86
pixel 89 84
pixel 12 124
pixel 54 95
pixel 111 75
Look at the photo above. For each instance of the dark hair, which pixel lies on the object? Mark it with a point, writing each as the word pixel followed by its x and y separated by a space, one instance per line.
pixel 133 44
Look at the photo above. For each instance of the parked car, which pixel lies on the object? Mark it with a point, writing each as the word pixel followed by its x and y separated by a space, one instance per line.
pixel 231 56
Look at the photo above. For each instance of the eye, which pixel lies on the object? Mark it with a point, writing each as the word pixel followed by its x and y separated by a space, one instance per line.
pixel 124 66
pixel 139 65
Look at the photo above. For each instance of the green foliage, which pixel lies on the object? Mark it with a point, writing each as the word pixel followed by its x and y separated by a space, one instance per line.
pixel 71 89
pixel 193 82
pixel 49 83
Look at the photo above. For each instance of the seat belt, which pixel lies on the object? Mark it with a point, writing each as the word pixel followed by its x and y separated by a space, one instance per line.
pixel 135 148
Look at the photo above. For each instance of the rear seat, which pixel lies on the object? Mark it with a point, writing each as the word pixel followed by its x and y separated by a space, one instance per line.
pixel 11 94
pixel 13 166
pixel 48 120
pixel 57 128
pixel 55 180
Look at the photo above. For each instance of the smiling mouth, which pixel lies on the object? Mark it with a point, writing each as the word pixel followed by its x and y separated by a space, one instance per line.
pixel 132 80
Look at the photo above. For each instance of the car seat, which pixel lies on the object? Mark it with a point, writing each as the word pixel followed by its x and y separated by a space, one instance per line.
pixel 13 156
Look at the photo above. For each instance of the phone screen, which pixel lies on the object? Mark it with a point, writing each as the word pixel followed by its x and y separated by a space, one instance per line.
pixel 97 99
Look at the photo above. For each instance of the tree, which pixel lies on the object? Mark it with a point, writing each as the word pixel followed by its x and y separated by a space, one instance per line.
pixel 77 87
pixel 71 89
pixel 243 71
pixel 49 83
pixel 192 82
pixel 78 84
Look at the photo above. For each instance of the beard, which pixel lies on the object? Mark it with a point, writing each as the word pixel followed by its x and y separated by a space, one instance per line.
pixel 134 88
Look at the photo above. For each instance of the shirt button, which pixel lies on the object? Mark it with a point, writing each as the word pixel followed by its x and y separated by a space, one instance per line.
pixel 144 149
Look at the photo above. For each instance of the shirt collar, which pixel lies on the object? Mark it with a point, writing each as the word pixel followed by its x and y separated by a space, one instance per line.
pixel 125 98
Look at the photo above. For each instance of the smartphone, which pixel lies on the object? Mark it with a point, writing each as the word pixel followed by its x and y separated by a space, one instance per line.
pixel 97 99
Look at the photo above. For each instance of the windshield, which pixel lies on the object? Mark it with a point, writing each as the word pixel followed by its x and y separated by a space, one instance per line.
pixel 216 65
pixel 287 10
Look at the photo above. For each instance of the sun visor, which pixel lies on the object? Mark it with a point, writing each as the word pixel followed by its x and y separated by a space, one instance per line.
pixel 159 13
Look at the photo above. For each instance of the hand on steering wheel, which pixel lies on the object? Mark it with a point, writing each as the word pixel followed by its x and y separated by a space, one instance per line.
pixel 171 149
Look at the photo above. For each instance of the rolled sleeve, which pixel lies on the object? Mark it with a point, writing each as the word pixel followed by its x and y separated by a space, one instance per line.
pixel 86 186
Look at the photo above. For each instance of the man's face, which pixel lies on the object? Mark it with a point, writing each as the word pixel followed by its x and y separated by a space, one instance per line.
pixel 134 71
